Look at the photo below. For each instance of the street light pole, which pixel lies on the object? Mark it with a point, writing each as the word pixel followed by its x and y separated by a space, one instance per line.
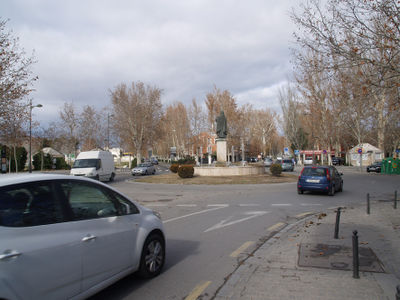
pixel 108 130
pixel 30 132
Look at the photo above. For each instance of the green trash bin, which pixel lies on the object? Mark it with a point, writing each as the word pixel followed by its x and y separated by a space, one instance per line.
pixel 391 165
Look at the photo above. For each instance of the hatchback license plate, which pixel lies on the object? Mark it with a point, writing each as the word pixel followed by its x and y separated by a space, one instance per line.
pixel 312 180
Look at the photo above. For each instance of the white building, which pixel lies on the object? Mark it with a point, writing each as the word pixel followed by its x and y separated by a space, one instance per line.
pixel 369 155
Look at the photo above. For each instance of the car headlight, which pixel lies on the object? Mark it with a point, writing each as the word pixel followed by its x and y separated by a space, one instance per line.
pixel 157 214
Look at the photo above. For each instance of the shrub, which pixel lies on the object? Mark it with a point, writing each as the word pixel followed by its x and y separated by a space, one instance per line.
pixel 186 171
pixel 275 169
pixel 174 168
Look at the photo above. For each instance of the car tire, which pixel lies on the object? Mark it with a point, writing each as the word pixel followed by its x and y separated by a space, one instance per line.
pixel 112 177
pixel 300 192
pixel 341 188
pixel 152 257
pixel 331 190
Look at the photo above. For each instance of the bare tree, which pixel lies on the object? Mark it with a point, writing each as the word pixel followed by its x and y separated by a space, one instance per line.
pixel 91 132
pixel 137 112
pixel 69 119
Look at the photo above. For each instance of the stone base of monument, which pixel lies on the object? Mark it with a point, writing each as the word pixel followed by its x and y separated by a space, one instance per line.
pixel 229 171
pixel 221 149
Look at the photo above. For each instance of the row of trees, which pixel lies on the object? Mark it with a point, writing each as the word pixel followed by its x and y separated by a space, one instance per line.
pixel 137 121
pixel 347 79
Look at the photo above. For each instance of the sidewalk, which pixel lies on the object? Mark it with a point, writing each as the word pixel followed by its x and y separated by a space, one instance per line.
pixel 304 261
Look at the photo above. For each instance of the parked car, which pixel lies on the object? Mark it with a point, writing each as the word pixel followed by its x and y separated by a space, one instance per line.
pixel 253 159
pixel 66 237
pixel 268 162
pixel 308 160
pixel 287 164
pixel 154 161
pixel 375 167
pixel 320 179
pixel 145 168
pixel 337 161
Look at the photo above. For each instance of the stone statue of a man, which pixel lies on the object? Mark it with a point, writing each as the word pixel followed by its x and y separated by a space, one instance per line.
pixel 222 128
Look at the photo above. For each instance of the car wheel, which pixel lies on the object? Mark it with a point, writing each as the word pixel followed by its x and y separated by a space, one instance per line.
pixel 341 188
pixel 153 257
pixel 300 192
pixel 154 172
pixel 331 190
pixel 112 177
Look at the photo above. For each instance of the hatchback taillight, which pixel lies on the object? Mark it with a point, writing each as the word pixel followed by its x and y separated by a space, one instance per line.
pixel 328 176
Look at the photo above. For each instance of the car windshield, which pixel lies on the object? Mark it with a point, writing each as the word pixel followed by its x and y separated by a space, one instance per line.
pixel 87 163
pixel 314 172
pixel 287 161
pixel 144 165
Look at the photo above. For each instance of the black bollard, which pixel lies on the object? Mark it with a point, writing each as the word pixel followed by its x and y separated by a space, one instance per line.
pixel 355 255
pixel 336 235
pixel 398 292
pixel 368 206
pixel 395 199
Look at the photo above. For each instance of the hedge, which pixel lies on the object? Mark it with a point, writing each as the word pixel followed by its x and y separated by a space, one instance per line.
pixel 186 171
pixel 275 169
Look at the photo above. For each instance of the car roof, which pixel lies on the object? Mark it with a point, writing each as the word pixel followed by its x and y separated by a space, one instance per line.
pixel 8 179
pixel 317 167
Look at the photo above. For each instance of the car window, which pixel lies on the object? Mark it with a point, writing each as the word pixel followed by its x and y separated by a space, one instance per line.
pixel 88 201
pixel 287 161
pixel 29 204
pixel 126 206
pixel 314 172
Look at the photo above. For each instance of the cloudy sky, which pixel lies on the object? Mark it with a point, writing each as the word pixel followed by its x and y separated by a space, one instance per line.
pixel 185 47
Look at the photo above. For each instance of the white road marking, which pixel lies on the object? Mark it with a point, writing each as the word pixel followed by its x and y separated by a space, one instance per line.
pixel 193 214
pixel 225 223
pixel 281 204
pixel 187 205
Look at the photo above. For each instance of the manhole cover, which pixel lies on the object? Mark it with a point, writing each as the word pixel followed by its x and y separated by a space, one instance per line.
pixel 337 257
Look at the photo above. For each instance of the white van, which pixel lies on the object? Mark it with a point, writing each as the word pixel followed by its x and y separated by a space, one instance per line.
pixel 94 164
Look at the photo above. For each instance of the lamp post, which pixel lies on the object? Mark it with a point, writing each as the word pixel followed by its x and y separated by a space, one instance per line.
pixel 30 132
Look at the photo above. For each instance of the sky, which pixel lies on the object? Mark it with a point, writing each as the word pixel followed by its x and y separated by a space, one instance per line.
pixel 84 49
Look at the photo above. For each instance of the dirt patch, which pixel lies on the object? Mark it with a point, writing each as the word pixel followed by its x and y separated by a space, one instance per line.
pixel 253 179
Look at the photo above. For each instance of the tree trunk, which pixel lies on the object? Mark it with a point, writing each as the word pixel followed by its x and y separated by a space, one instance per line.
pixel 15 159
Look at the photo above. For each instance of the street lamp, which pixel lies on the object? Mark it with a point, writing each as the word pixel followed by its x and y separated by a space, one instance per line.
pixel 30 132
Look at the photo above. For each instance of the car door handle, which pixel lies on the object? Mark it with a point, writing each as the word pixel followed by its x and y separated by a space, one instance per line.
pixel 9 254
pixel 89 237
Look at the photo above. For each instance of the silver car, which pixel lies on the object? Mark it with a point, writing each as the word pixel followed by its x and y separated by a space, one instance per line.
pixel 146 168
pixel 65 237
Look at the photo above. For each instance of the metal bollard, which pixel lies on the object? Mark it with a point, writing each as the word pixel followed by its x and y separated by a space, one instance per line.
pixel 336 235
pixel 398 292
pixel 355 255
pixel 395 199
pixel 368 205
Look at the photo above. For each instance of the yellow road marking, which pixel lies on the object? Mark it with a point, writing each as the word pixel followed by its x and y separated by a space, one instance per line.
pixel 304 214
pixel 241 249
pixel 197 291
pixel 276 226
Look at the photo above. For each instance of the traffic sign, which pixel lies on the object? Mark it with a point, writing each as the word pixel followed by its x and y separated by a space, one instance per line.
pixel 359 150
pixel 286 150
pixel 296 152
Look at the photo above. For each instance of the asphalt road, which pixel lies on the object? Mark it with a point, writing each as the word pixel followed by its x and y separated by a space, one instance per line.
pixel 211 229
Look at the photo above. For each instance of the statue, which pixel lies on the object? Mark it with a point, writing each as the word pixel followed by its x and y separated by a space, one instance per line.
pixel 222 128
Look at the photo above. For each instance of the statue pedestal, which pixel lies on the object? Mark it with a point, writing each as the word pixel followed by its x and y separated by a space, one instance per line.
pixel 221 149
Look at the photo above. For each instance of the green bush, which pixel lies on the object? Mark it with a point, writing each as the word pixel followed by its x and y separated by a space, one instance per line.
pixel 174 168
pixel 275 169
pixel 186 171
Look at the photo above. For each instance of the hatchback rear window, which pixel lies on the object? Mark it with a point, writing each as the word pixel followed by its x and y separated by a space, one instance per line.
pixel 314 172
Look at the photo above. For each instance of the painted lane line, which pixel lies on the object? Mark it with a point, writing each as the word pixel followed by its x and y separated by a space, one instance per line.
pixel 193 214
pixel 304 214
pixel 241 249
pixel 249 205
pixel 198 290
pixel 187 205
pixel 311 204
pixel 225 223
pixel 276 226
pixel 281 204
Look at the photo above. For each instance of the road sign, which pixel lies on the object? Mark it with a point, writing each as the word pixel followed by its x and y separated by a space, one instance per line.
pixel 296 152
pixel 359 150
pixel 324 151
pixel 286 150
